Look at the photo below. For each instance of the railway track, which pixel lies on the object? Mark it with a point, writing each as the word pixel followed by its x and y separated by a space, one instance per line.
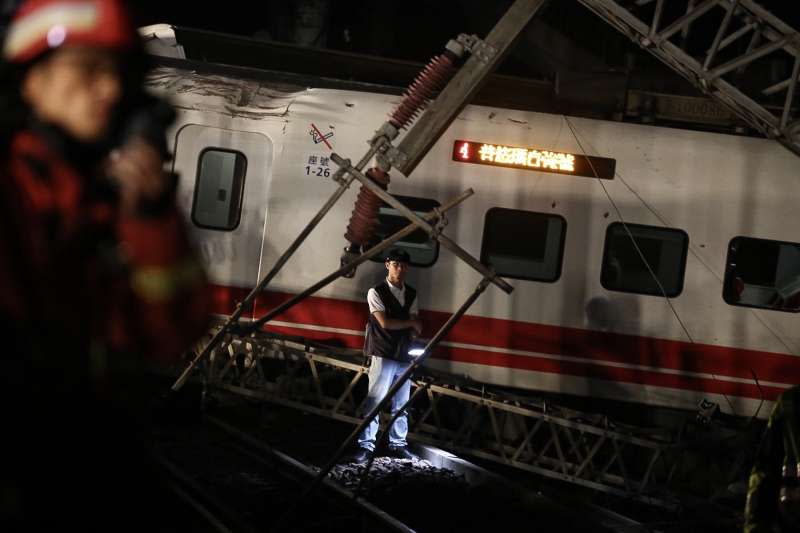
pixel 230 467
pixel 234 483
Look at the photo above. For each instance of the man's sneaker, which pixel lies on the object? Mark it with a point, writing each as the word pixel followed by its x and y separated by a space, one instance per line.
pixel 400 452
pixel 360 455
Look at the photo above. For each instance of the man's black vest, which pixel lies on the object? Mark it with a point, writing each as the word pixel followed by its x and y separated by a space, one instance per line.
pixel 390 343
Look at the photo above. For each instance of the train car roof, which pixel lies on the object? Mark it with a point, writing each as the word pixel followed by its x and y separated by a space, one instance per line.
pixel 293 68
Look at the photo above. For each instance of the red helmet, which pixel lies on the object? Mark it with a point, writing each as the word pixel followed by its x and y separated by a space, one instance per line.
pixel 41 25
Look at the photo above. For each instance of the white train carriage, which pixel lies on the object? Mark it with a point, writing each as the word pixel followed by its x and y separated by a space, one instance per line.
pixel 715 216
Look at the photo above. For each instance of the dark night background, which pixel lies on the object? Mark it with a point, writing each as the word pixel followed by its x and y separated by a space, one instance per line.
pixel 564 33
pixel 416 29
pixel 585 60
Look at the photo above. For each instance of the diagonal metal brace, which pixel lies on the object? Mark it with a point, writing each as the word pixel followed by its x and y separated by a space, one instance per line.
pixel 416 219
pixel 415 364
pixel 464 85
pixel 378 248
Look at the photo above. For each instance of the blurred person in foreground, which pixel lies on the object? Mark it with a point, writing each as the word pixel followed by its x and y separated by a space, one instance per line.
pixel 773 495
pixel 97 278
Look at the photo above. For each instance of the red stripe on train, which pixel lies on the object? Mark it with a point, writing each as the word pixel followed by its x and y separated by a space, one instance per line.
pixel 547 339
pixel 570 368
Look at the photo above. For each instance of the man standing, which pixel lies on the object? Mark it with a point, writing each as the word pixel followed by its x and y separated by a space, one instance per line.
pixel 391 325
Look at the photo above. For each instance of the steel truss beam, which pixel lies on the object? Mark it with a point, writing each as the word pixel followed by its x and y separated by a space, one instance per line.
pixel 579 448
pixel 717 71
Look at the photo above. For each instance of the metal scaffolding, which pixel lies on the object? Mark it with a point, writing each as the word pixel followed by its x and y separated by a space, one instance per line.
pixel 480 57
pixel 747 37
pixel 457 86
pixel 535 436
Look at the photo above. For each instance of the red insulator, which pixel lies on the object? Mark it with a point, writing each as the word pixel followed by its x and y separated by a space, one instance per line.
pixel 364 220
pixel 433 78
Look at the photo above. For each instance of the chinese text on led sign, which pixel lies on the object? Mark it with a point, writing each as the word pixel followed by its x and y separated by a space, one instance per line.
pixel 533 159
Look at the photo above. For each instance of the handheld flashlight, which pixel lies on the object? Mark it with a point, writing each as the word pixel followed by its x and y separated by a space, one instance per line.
pixel 416 348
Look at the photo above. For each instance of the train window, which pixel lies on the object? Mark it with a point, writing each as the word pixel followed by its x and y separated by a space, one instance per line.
pixel 218 189
pixel 664 249
pixel 523 244
pixel 763 273
pixel 422 250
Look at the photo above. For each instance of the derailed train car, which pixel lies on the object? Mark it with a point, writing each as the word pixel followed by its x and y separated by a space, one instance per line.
pixel 560 201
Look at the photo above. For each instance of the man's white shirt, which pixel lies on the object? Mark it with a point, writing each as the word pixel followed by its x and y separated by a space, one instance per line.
pixel 376 304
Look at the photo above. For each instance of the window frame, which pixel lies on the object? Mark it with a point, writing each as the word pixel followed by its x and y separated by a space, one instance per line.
pixel 402 199
pixel 728 269
pixel 197 188
pixel 684 259
pixel 561 248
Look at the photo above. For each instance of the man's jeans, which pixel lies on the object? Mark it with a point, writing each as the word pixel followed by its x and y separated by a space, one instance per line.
pixel 382 374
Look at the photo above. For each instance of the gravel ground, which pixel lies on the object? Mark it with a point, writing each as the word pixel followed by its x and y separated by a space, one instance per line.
pixel 426 498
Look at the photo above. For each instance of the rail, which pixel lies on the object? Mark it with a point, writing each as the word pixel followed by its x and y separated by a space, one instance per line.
pixel 539 437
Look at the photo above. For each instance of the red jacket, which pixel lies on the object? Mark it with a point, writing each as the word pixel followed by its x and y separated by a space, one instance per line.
pixel 84 287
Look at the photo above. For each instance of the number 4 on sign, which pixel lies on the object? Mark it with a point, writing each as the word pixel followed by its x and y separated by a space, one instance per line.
pixel 464 151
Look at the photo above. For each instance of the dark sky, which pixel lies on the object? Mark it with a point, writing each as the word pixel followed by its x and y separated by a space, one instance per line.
pixel 417 29
pixel 417 20
pixel 402 30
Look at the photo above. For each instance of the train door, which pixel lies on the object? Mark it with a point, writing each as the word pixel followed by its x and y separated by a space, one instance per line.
pixel 223 187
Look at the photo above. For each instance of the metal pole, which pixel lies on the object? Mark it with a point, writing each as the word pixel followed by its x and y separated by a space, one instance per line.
pixel 656 18
pixel 344 184
pixel 386 243
pixel 734 36
pixel 787 106
pixel 720 34
pixel 744 60
pixel 410 215
pixel 443 331
pixel 685 20
pixel 465 84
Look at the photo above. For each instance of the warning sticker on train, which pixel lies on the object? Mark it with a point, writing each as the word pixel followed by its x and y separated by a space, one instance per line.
pixel 318 137
pixel 535 159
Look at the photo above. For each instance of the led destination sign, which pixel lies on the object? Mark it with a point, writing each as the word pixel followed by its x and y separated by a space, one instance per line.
pixel 532 159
